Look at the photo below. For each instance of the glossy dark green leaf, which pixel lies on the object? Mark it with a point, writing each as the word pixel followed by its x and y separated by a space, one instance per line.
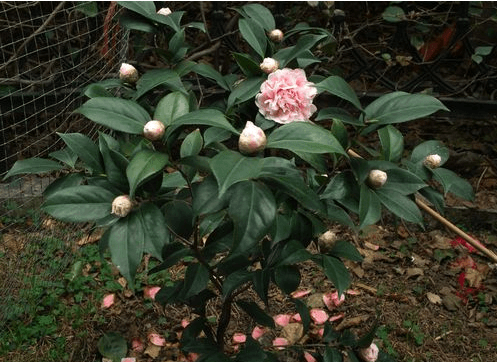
pixel 245 91
pixel 206 197
pixel 126 244
pixel 451 182
pixel 292 253
pixel 261 14
pixel 344 249
pixel 303 310
pixel 369 207
pixel 156 234
pixel 205 117
pixel 332 355
pixel 400 205
pixel 303 45
pixel 170 107
pixel 143 166
pixel 435 197
pixel 260 282
pixel 403 181
pixel 231 167
pixel 252 352
pixel 210 222
pixel 340 132
pixel 33 165
pixel 79 203
pixel 336 272
pixel 392 143
pixel 235 280
pixel 196 280
pixel 112 346
pixel 86 150
pixel 132 22
pixel 96 90
pixel 287 278
pixel 339 186
pixel 214 134
pixel 115 174
pixel 393 14
pixel 248 66
pixel 172 253
pixel 427 148
pixel 66 156
pixel 192 144
pixel 70 180
pixel 208 71
pixel 254 35
pixel 316 160
pixel 179 218
pixel 256 313
pixel 304 137
pixel 253 210
pixel 116 113
pixel 158 77
pixel 339 87
pixel 336 213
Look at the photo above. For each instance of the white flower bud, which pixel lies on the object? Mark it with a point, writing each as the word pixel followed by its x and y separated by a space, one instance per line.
pixel 377 178
pixel 432 161
pixel 252 139
pixel 313 3
pixel 369 354
pixel 269 65
pixel 154 130
pixel 276 35
pixel 327 241
pixel 164 11
pixel 328 4
pixel 121 206
pixel 128 73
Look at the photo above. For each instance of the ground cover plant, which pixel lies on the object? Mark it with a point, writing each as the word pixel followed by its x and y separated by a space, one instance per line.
pixel 239 188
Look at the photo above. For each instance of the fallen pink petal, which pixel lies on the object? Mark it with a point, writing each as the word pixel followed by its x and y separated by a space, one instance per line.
pixel 258 332
pixel 280 342
pixel 300 293
pixel 239 338
pixel 282 319
pixel 108 300
pixel 336 317
pixel 128 359
pixel 353 292
pixel 137 345
pixel 309 357
pixel 157 339
pixel 184 323
pixel 296 318
pixel 150 292
pixel 319 316
pixel 192 357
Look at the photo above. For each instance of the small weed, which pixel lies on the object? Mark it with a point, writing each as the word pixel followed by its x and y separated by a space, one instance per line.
pixel 382 333
pixel 414 331
pixel 483 343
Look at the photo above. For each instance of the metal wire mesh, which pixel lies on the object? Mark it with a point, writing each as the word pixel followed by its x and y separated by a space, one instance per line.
pixel 49 52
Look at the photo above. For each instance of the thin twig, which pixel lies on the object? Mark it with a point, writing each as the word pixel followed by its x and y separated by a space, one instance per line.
pixel 201 53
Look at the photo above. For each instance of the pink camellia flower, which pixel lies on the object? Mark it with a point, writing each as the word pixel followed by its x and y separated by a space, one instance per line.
pixel 252 139
pixel 154 130
pixel 286 96
pixel 369 354
pixel 128 73
pixel 239 338
pixel 269 65
pixel 150 292
pixel 164 11
pixel 258 332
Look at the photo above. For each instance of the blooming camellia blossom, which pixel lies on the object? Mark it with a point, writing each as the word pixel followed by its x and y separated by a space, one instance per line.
pixel 377 178
pixel 369 354
pixel 121 206
pixel 164 11
pixel 286 96
pixel 252 139
pixel 432 161
pixel 128 73
pixel 269 65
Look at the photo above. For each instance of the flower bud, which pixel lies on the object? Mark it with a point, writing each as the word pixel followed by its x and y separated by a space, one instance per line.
pixel 128 73
pixel 377 178
pixel 276 35
pixel 121 206
pixel 154 130
pixel 369 354
pixel 327 241
pixel 432 161
pixel 269 65
pixel 164 11
pixel 252 139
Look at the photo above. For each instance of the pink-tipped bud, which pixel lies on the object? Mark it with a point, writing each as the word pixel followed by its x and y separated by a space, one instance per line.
pixel 276 35
pixel 269 65
pixel 154 130
pixel 128 73
pixel 432 161
pixel 252 139
pixel 121 206
pixel 369 354
pixel 377 178
pixel 164 11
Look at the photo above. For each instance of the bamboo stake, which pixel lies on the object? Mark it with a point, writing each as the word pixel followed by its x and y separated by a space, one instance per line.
pixel 446 222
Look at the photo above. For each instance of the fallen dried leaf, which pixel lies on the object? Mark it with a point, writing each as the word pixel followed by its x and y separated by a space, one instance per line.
pixel 152 351
pixel 413 272
pixel 293 332
pixel 156 339
pixel 352 322
pixel 434 298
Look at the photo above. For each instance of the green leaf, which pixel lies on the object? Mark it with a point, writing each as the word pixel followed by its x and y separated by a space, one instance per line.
pixel 170 107
pixel 179 218
pixel 33 166
pixel 393 14
pixel 171 254
pixel 332 355
pixel 143 166
pixel 392 143
pixel 66 156
pixel 344 249
pixel 336 213
pixel 486 50
pixel 116 113
pixel 253 210
pixel 256 313
pixel 141 7
pixel 97 90
pixel 230 167
pixel 156 234
pixel 215 134
pixel 126 244
pixel 254 35
pixel 154 78
pixel 196 280
pixel 340 114
pixel 248 66
pixel 400 205
pixel 208 71
pixel 234 280
pixel 112 346
pixel 132 22
pixel 316 160
pixel 402 107
pixel 89 8
pixel 244 91
pixel 304 137
pixel 206 117
pixel 86 150
pixel 451 182
pixel 261 15
pixel 292 253
pixel 79 203
pixel 427 148
pixel 192 144
pixel 340 132
pixel 206 197
pixel 336 272
pixel 260 283
pixel 303 310
pixel 115 174
pixel 304 44
pixel 435 197
pixel 402 181
pixel 70 180
pixel 287 278
pixel 369 207
pixel 339 87
pixel 252 352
